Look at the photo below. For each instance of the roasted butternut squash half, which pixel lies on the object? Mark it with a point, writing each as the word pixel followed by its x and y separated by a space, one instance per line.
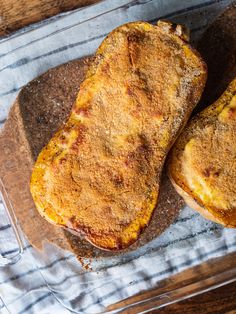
pixel 202 164
pixel 99 175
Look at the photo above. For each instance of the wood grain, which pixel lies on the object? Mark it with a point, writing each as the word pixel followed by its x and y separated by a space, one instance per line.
pixel 218 301
pixel 15 14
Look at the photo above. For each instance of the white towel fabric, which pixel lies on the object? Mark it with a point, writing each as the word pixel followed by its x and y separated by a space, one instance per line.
pixel 53 282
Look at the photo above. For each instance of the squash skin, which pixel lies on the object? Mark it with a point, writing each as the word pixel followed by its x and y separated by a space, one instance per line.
pixel 99 174
pixel 207 148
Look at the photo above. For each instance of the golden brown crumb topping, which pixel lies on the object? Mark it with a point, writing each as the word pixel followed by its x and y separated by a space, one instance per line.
pixel 99 174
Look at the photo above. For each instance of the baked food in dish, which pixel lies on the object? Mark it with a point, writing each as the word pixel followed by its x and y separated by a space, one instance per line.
pixel 202 162
pixel 99 174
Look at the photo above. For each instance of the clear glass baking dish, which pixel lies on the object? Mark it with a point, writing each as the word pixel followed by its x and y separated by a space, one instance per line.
pixel 191 257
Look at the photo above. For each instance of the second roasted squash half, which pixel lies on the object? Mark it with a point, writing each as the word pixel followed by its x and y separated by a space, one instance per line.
pixel 202 162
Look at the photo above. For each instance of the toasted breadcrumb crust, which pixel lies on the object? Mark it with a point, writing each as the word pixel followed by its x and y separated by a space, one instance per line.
pixel 99 174
pixel 202 162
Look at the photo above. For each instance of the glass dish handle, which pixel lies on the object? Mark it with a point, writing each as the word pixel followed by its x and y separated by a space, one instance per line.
pixel 9 210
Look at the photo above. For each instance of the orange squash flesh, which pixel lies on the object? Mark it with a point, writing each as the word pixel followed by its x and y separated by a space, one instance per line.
pixel 202 161
pixel 99 174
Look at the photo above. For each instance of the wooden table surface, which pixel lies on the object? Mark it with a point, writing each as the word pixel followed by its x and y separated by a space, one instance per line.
pixel 15 14
pixel 218 301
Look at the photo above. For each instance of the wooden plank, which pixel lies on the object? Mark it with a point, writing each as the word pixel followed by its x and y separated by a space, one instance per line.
pixel 218 301
pixel 15 14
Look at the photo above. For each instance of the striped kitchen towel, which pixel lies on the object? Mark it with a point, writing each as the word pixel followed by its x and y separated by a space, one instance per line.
pixel 53 281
